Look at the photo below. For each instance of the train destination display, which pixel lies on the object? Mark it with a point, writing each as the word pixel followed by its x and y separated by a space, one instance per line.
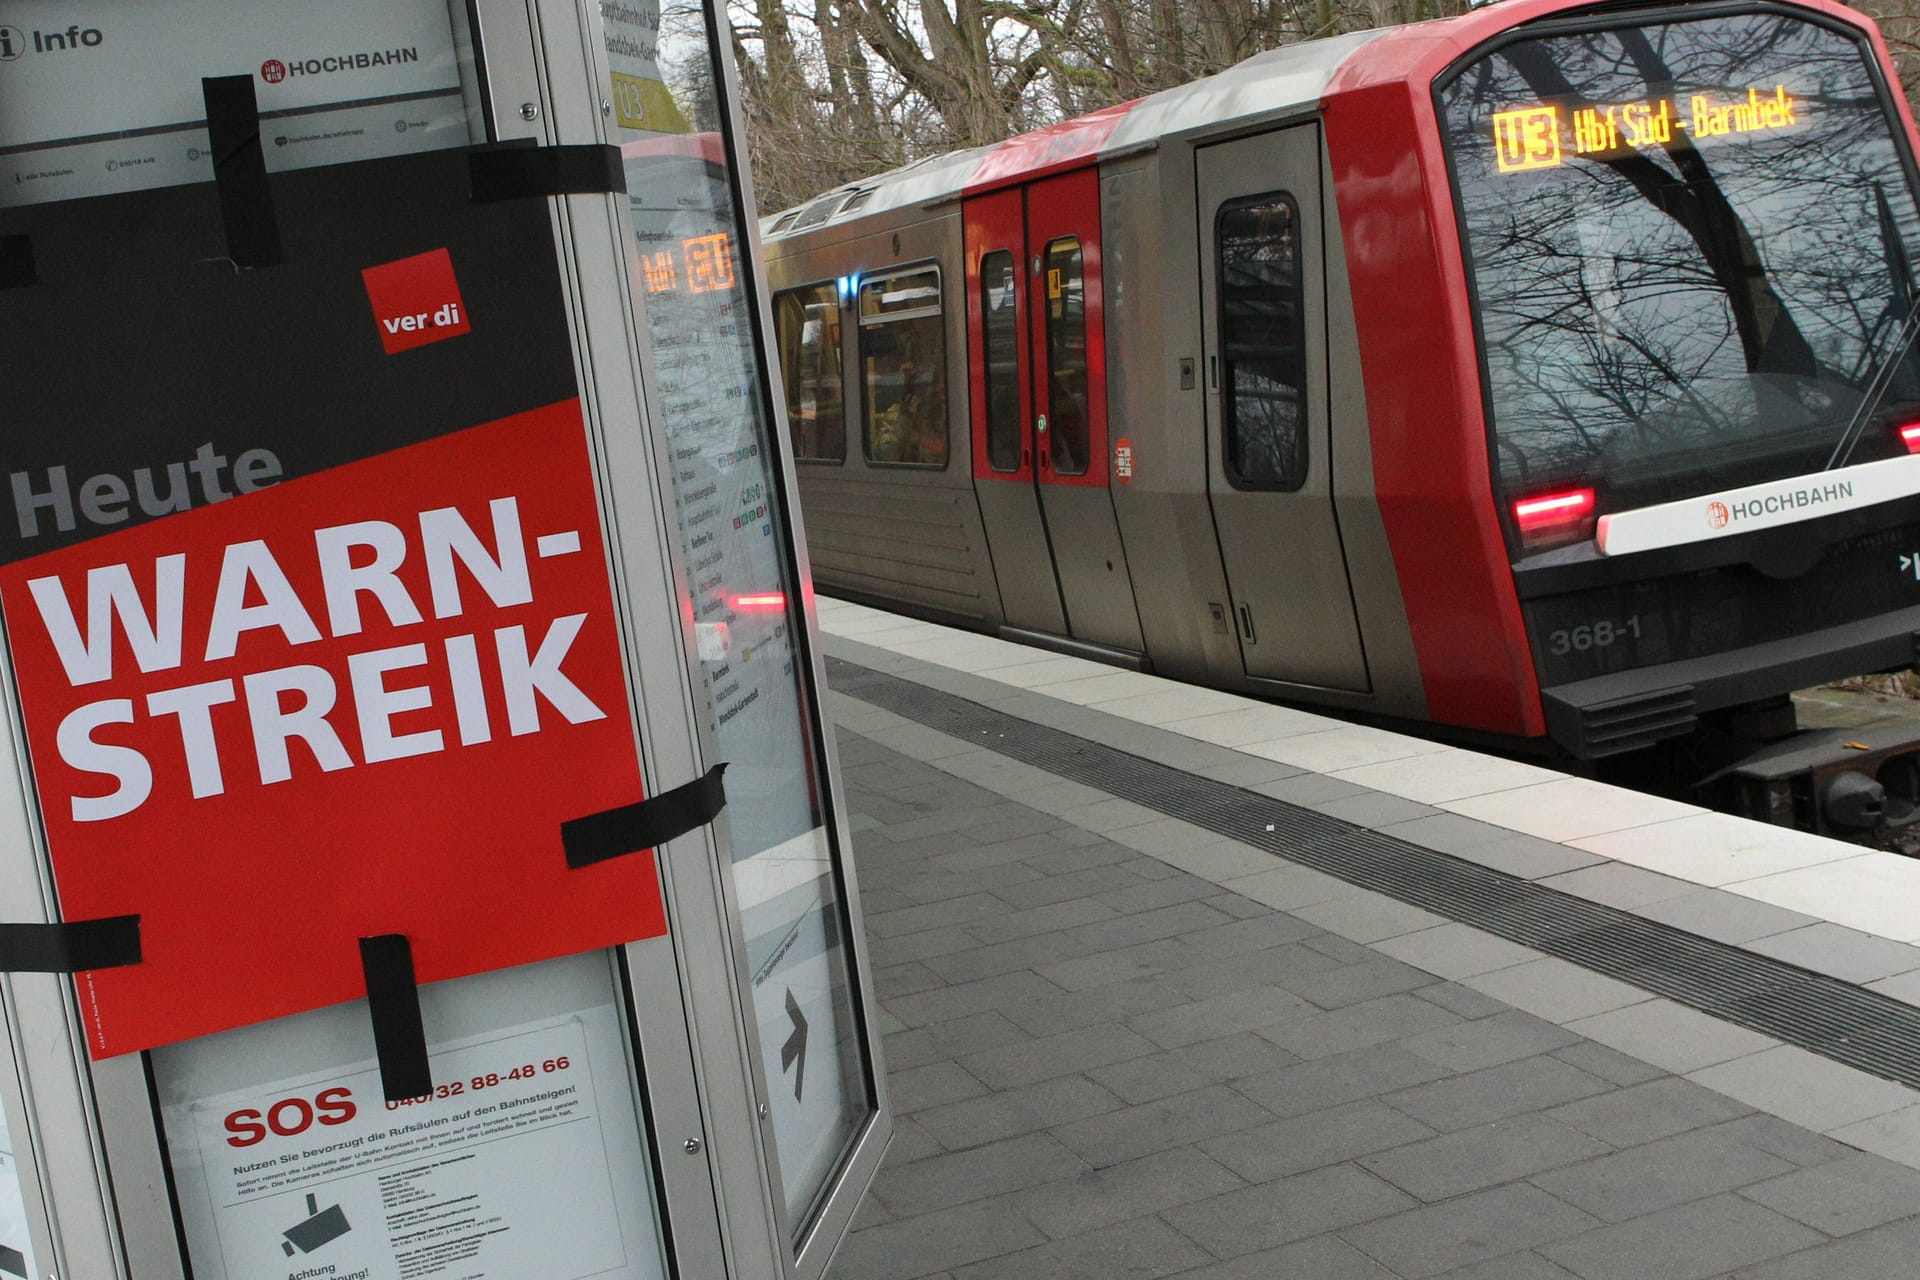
pixel 1527 138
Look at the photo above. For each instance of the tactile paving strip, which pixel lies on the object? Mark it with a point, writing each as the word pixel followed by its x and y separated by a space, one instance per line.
pixel 1823 1015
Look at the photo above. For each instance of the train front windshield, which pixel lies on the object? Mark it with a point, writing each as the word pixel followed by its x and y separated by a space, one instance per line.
pixel 1692 245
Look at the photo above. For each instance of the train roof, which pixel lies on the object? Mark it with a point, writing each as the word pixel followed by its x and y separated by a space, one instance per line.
pixel 1267 84
pixel 1292 76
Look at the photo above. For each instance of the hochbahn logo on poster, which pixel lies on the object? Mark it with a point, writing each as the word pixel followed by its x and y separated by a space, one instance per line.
pixel 362 701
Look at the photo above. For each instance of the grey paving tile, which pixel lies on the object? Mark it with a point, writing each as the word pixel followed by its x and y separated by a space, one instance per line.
pixel 1033 1107
pixel 933 1242
pixel 1192 1066
pixel 1328 1082
pixel 1618 884
pixel 1325 1257
pixel 1368 980
pixel 1145 926
pixel 1221 1015
pixel 1471 1230
pixel 1456 951
pixel 1491 846
pixel 1723 916
pixel 1314 1140
pixel 1357 1026
pixel 1895 1134
pixel 1123 964
pixel 1608 1064
pixel 1776 1137
pixel 1288 887
pixel 1048 1056
pixel 1526 1265
pixel 1690 1242
pixel 1238 907
pixel 1844 953
pixel 1249 771
pixel 992 960
pixel 964 998
pixel 1462 1102
pixel 1043 889
pixel 905 980
pixel 1116 1136
pixel 1310 788
pixel 1276 1213
pixel 1010 923
pixel 1844 1196
pixel 1114 1002
pixel 1145 1249
pixel 886 952
pixel 1884 1253
pixel 1475 1159
pixel 1671 1036
pixel 1084 850
pixel 1243 937
pixel 910 1143
pixel 934 1085
pixel 1095 1199
pixel 1276 966
pixel 1804 1088
pixel 1368 917
pixel 1556 990
pixel 1488 1042
pixel 924 887
pixel 1030 849
pixel 1661 1174
pixel 1463 1000
pixel 1646 1112
pixel 1375 809
pixel 943 1181
pixel 916 1048
pixel 1166 892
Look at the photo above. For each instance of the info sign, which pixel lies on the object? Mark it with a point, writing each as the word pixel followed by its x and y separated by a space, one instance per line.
pixel 299 712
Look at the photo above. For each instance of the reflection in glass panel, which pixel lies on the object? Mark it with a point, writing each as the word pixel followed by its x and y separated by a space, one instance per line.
pixel 16 1245
pixel 806 325
pixel 1692 245
pixel 745 602
pixel 1263 382
pixel 999 293
pixel 903 362
pixel 1068 425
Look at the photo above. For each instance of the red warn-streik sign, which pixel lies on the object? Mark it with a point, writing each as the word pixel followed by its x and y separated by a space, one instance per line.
pixel 356 703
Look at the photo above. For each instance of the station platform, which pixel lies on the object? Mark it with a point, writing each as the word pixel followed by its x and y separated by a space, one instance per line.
pixel 1177 983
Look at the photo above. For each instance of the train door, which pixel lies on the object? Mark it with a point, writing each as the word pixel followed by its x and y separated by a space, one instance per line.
pixel 1040 414
pixel 1002 399
pixel 1269 472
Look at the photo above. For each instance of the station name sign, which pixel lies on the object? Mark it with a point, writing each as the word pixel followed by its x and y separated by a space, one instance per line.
pixel 1545 135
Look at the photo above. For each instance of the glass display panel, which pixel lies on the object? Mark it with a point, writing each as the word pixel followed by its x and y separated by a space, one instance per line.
pixel 1691 252
pixel 999 320
pixel 529 1158
pixel 1263 378
pixel 807 328
pixel 101 96
pixel 717 414
pixel 16 1243
pixel 903 364
pixel 1068 425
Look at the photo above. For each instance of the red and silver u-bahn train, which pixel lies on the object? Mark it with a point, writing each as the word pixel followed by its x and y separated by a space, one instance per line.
pixel 1545 373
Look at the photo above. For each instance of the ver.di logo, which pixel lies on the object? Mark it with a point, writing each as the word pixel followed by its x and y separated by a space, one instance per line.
pixel 13 43
pixel 1718 515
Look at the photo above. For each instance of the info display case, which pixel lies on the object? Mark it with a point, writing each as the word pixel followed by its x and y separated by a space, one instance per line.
pixel 425 858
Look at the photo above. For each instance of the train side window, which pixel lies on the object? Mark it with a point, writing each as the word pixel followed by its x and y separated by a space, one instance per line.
pixel 903 369
pixel 806 323
pixel 1263 384
pixel 1069 424
pixel 999 289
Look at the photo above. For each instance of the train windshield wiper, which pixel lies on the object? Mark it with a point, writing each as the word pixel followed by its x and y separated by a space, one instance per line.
pixel 1900 270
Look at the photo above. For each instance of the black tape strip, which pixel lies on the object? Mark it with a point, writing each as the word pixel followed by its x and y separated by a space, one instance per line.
pixel 510 171
pixel 633 827
pixel 16 263
pixel 240 171
pixel 393 1002
pixel 71 946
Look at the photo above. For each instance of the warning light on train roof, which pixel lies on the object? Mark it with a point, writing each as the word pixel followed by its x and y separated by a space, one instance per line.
pixel 1534 137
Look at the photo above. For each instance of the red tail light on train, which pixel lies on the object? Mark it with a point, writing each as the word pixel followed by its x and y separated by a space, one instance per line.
pixel 1555 519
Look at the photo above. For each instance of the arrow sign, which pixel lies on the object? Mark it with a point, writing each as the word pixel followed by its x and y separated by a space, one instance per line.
pixel 795 1049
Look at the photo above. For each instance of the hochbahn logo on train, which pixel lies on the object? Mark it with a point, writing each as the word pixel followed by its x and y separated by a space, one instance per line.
pixel 1529 138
